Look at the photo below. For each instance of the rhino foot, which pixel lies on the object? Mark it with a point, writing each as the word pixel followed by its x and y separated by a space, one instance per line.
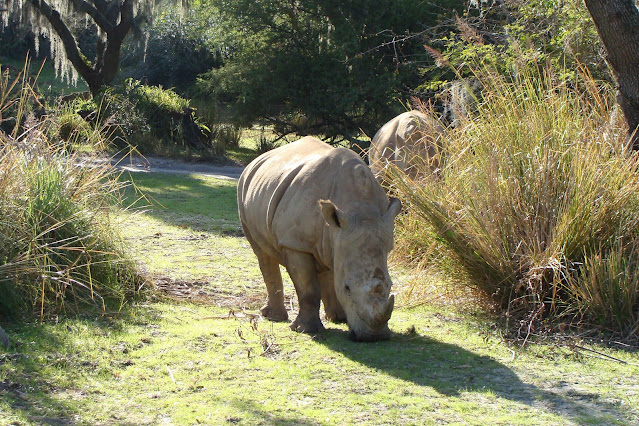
pixel 307 326
pixel 274 314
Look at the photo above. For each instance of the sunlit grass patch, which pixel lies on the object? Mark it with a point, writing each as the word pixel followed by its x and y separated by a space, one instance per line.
pixel 183 363
pixel 186 234
pixel 188 196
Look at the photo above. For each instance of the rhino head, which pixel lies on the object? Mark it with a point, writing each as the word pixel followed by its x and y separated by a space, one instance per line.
pixel 361 242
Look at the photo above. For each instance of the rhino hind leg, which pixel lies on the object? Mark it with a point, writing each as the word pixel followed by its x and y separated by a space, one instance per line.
pixel 301 268
pixel 274 310
pixel 332 308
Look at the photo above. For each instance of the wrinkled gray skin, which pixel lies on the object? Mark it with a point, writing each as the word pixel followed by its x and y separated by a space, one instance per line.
pixel 407 139
pixel 319 211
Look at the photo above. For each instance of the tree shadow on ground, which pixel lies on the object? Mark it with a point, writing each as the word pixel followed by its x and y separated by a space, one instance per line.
pixel 43 367
pixel 451 370
pixel 189 201
pixel 26 389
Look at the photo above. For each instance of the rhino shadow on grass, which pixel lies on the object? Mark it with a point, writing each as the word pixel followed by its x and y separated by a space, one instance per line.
pixel 451 370
pixel 447 368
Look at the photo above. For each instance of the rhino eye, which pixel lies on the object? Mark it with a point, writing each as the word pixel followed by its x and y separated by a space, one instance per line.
pixel 348 290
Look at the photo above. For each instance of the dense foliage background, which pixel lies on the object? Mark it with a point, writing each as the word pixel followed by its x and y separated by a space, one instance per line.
pixel 337 69
pixel 326 67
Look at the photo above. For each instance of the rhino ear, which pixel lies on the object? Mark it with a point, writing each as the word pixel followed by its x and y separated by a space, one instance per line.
pixel 394 207
pixel 331 214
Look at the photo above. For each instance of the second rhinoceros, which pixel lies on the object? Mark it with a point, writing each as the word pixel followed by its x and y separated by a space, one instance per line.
pixel 319 211
pixel 405 141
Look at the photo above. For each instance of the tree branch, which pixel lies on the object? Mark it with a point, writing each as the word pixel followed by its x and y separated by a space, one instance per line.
pixel 100 20
pixel 70 46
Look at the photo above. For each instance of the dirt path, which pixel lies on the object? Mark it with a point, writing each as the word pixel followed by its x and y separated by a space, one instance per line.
pixel 169 165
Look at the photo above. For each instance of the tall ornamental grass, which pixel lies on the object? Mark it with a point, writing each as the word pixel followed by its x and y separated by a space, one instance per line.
pixel 59 251
pixel 536 204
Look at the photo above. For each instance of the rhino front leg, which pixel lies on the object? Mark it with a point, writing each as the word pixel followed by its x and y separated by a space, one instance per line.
pixel 332 308
pixel 301 268
pixel 274 309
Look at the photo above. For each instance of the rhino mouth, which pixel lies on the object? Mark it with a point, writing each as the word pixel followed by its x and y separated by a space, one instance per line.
pixel 373 329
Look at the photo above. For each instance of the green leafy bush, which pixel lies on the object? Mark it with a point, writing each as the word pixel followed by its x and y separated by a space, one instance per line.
pixel 537 202
pixel 154 100
pixel 151 119
pixel 70 128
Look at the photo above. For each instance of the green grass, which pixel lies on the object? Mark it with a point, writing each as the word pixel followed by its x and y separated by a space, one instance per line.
pixel 191 231
pixel 197 353
pixel 186 364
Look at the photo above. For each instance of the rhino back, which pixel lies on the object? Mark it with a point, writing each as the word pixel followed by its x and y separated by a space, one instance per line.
pixel 278 195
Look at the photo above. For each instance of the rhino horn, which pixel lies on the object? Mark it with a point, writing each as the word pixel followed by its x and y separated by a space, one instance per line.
pixel 383 317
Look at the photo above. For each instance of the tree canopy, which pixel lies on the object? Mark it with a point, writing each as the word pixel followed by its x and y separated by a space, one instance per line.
pixel 62 20
pixel 304 65
pixel 328 67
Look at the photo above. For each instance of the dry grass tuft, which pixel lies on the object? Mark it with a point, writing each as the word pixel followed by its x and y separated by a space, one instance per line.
pixel 536 204
pixel 58 249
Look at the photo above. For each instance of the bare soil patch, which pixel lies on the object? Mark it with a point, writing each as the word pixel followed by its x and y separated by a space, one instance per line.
pixel 201 292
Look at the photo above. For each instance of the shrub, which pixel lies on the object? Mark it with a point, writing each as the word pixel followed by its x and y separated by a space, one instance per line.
pixel 227 135
pixel 72 126
pixel 152 119
pixel 536 204
pixel 265 144
pixel 58 249
pixel 155 100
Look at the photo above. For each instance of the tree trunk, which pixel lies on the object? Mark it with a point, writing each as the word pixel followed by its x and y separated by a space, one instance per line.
pixel 617 23
pixel 107 62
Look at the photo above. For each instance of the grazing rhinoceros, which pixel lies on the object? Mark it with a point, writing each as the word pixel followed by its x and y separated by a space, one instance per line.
pixel 319 211
pixel 405 140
